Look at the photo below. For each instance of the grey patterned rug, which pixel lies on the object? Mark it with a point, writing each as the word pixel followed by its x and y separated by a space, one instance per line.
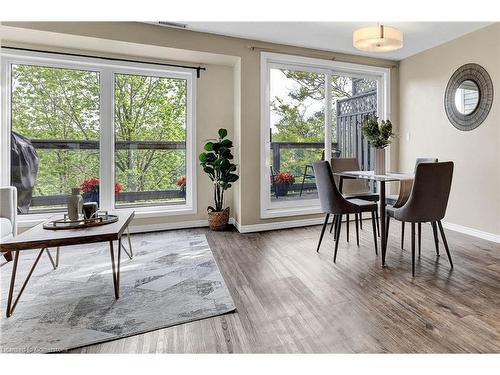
pixel 170 280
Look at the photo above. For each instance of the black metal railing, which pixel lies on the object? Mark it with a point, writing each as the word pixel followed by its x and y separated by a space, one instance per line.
pixel 133 196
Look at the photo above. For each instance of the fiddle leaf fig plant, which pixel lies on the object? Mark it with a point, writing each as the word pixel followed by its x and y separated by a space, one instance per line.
pixel 378 135
pixel 216 163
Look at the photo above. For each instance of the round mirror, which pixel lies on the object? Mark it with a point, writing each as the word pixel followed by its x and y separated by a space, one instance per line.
pixel 467 97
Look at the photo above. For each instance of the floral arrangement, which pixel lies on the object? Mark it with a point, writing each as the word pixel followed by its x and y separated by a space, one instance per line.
pixel 181 181
pixel 284 178
pixel 91 185
pixel 378 135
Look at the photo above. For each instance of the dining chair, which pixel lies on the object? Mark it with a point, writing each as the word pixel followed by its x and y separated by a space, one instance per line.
pixel 309 176
pixel 427 202
pixel 353 188
pixel 396 201
pixel 333 203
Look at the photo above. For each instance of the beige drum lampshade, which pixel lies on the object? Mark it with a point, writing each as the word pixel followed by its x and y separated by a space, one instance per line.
pixel 377 39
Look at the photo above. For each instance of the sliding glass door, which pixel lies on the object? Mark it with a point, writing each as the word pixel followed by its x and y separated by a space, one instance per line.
pixel 312 111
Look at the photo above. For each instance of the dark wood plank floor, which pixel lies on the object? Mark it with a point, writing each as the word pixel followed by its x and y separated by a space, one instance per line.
pixel 291 299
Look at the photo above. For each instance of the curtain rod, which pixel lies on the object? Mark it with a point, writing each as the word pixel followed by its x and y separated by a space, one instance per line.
pixel 197 68
pixel 317 56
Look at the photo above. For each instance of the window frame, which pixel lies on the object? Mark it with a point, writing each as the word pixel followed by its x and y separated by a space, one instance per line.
pixel 107 71
pixel 270 60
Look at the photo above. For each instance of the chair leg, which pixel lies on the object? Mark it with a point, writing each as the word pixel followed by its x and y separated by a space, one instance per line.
pixel 435 233
pixel 377 221
pixel 357 229
pixel 338 227
pixel 323 231
pixel 413 249
pixel 374 229
pixel 361 220
pixel 445 243
pixel 303 179
pixel 419 238
pixel 387 221
pixel 402 235
pixel 347 221
pixel 334 224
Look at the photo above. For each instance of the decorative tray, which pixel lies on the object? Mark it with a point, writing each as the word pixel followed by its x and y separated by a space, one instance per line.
pixel 99 218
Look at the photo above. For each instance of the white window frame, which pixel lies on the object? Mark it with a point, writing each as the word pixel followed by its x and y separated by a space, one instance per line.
pixel 106 70
pixel 268 61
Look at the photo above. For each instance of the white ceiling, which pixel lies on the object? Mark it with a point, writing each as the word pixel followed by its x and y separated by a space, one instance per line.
pixel 337 36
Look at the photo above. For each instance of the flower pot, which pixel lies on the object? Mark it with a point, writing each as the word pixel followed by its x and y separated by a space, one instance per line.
pixel 281 190
pixel 91 197
pixel 217 220
pixel 380 161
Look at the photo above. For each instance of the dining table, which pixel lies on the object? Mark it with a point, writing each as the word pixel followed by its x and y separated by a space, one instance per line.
pixel 406 183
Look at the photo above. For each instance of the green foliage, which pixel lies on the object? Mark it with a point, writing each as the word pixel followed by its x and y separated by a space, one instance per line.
pixel 378 135
pixel 216 163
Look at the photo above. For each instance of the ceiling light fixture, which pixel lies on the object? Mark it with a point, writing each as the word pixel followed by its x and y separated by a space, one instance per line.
pixel 378 38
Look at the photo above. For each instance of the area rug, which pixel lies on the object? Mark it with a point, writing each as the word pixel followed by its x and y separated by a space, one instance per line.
pixel 171 280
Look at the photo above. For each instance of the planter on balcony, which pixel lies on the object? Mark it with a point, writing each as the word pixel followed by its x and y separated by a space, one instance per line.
pixel 281 190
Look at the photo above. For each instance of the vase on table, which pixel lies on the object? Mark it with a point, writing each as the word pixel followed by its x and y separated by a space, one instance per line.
pixel 92 196
pixel 380 161
pixel 75 202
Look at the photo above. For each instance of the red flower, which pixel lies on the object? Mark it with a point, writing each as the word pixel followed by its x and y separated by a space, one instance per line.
pixel 181 181
pixel 91 185
pixel 284 178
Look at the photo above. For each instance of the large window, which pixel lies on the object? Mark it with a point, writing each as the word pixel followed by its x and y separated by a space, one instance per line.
pixel 124 131
pixel 312 110
pixel 56 111
pixel 150 140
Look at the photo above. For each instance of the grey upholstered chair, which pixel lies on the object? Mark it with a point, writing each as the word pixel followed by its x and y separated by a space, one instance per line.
pixel 392 199
pixel 333 203
pixel 354 188
pixel 427 202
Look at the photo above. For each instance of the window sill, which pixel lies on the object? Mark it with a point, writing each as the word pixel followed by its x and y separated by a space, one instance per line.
pixel 30 220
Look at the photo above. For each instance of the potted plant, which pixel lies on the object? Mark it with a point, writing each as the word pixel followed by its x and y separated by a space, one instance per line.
pixel 90 189
pixel 379 136
pixel 216 163
pixel 181 182
pixel 282 183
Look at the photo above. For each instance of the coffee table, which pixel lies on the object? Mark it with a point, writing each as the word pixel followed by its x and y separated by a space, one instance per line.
pixel 43 239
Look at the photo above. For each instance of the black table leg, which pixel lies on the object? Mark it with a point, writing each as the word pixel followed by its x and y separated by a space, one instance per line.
pixel 383 235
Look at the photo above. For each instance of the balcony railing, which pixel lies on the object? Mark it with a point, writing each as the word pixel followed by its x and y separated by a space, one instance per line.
pixel 131 196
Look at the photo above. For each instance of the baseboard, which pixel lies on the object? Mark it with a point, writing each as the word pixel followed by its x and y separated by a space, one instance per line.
pixel 144 228
pixel 472 232
pixel 249 228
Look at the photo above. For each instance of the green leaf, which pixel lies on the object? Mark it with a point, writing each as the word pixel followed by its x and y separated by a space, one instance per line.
pixel 203 157
pixel 227 143
pixel 209 146
pixel 222 133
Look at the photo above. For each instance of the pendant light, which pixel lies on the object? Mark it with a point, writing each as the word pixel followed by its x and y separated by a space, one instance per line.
pixel 378 38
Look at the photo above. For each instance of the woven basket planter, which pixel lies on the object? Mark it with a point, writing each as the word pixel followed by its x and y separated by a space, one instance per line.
pixel 218 220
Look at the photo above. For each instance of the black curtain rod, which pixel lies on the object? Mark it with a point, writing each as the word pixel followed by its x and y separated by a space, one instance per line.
pixel 197 68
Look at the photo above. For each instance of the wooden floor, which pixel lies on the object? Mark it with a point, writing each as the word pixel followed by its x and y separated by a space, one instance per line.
pixel 291 299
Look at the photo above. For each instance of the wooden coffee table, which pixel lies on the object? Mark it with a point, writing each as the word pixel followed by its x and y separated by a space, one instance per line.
pixel 43 239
